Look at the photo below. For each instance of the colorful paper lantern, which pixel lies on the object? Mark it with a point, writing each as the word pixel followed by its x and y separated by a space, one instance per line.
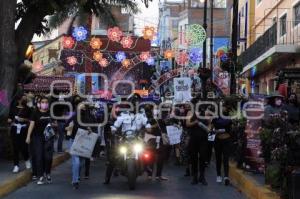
pixel 103 62
pixel 120 56
pixel 96 43
pixel 195 55
pixel 148 33
pixel 144 56
pixel 80 33
pixel 68 42
pixel 97 56
pixel 182 58
pixel 126 63
pixel 114 34
pixel 126 42
pixel 150 61
pixel 195 35
pixel 169 54
pixel 72 60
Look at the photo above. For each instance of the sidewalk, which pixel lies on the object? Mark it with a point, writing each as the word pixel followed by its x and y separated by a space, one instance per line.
pixel 10 182
pixel 251 185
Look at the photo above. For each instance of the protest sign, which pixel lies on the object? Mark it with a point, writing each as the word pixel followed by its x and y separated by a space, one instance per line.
pixel 84 143
pixel 182 89
pixel 174 134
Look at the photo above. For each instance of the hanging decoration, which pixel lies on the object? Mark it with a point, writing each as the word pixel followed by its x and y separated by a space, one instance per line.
pixel 195 35
pixel 126 42
pixel 120 56
pixel 221 51
pixel 150 61
pixel 169 54
pixel 114 34
pixel 68 42
pixel 80 33
pixel 182 58
pixel 96 43
pixel 72 60
pixel 144 56
pixel 103 62
pixel 195 55
pixel 148 33
pixel 97 56
pixel 126 63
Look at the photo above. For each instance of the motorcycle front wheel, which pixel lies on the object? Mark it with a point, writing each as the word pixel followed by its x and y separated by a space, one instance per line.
pixel 131 173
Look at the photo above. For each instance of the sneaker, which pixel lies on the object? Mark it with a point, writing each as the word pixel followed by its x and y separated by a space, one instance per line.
pixel 16 169
pixel 28 164
pixel 34 178
pixel 161 178
pixel 49 180
pixel 227 181
pixel 41 181
pixel 219 179
pixel 76 185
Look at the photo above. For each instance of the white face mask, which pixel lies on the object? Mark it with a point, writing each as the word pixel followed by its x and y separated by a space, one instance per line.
pixel 278 102
pixel 30 104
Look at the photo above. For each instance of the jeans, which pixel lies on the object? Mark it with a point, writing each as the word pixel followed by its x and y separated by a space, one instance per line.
pixel 61 135
pixel 222 150
pixel 75 165
pixel 43 154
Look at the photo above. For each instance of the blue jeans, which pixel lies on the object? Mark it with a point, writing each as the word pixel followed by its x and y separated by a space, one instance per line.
pixel 76 164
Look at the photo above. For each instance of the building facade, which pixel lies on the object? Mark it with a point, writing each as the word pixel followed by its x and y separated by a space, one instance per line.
pixel 275 47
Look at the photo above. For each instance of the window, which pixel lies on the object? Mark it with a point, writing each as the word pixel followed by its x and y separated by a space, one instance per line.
pixel 297 14
pixel 283 25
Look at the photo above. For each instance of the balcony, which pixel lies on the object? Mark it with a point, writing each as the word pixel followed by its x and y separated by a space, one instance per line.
pixel 280 39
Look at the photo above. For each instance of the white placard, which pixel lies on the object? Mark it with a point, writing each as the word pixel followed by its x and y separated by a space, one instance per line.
pixel 84 144
pixel 174 134
pixel 182 89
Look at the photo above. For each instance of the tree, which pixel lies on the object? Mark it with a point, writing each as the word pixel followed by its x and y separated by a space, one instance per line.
pixel 30 15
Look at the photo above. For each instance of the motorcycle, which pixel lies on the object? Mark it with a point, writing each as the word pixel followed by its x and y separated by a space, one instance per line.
pixel 133 155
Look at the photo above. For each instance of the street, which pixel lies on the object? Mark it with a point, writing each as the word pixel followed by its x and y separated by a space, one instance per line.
pixel 178 186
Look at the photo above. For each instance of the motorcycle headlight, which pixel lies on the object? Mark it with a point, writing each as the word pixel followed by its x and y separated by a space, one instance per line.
pixel 123 150
pixel 138 148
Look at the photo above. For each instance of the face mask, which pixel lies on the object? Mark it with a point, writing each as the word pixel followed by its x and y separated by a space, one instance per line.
pixel 44 106
pixel 278 102
pixel 30 104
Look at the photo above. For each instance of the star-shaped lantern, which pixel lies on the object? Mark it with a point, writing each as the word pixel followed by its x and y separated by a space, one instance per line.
pixel 169 54
pixel 126 63
pixel 150 61
pixel 182 58
pixel 120 56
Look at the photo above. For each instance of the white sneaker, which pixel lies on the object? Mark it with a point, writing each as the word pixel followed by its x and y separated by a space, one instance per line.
pixel 41 181
pixel 16 169
pixel 28 164
pixel 219 179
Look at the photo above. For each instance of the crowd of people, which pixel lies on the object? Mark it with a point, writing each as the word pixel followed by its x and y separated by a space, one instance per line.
pixel 34 129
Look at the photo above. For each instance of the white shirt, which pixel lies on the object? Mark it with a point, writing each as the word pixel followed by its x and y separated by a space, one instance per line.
pixel 126 121
pixel 140 120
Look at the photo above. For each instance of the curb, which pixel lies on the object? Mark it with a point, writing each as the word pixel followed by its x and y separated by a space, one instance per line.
pixel 249 186
pixel 24 177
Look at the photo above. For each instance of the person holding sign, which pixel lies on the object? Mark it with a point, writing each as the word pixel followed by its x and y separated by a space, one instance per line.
pixel 198 145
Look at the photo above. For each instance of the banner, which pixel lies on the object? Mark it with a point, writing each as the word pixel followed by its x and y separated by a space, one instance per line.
pixel 253 150
pixel 84 144
pixel 174 134
pixel 182 89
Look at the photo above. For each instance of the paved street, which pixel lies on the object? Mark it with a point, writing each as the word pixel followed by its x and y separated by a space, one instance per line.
pixel 178 187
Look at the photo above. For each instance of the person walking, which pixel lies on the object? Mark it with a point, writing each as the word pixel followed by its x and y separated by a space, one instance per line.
pixel 19 121
pixel 222 128
pixel 41 134
pixel 198 145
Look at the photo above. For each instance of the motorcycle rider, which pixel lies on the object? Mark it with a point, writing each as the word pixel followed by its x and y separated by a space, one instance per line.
pixel 126 123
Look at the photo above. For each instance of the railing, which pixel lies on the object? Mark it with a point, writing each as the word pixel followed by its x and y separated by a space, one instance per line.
pixel 280 33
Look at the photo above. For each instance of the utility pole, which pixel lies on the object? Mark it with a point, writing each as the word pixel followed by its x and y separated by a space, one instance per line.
pixel 211 38
pixel 204 91
pixel 234 37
